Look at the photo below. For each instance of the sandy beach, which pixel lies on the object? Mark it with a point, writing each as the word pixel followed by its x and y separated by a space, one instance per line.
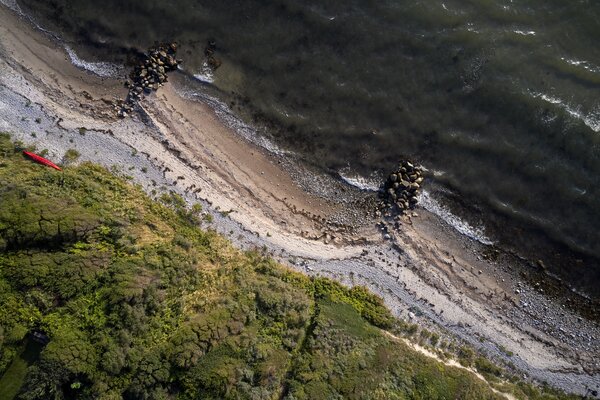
pixel 426 271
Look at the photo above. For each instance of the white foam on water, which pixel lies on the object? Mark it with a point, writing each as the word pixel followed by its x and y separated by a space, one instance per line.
pixel 13 5
pixel 592 119
pixel 434 172
pixel 579 191
pixel 103 69
pixel 463 227
pixel 451 10
pixel 207 78
pixel 583 64
pixel 360 182
pixel 524 33
pixel 205 74
pixel 471 28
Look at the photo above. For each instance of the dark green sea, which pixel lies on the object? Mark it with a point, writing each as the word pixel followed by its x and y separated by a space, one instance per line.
pixel 498 99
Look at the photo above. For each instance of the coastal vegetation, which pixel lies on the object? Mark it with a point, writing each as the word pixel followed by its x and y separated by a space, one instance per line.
pixel 106 293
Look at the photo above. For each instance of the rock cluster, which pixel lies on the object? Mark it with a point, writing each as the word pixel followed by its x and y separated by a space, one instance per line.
pixel 149 74
pixel 401 188
pixel 209 52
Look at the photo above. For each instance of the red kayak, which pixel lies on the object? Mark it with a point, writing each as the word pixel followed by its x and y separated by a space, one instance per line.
pixel 41 160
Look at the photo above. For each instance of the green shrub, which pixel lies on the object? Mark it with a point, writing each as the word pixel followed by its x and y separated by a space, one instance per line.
pixel 71 155
pixel 484 366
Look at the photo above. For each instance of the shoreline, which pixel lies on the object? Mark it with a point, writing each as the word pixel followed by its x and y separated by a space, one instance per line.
pixel 256 202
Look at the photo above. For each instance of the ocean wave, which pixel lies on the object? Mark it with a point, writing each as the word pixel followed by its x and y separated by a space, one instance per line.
pixel 592 119
pixel 471 28
pixel 102 69
pixel 588 66
pixel 524 33
pixel 205 74
pixel 360 182
pixel 12 4
pixel 463 227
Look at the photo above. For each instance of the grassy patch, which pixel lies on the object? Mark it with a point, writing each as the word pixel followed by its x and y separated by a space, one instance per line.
pixel 13 378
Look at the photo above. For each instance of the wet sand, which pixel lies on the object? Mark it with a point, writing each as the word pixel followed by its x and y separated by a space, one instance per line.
pixel 426 271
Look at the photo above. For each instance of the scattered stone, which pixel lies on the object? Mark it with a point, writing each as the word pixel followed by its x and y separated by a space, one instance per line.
pixel 541 264
pixel 209 52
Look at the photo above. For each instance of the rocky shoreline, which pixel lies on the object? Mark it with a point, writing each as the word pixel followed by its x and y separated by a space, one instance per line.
pixel 401 189
pixel 148 75
pixel 426 272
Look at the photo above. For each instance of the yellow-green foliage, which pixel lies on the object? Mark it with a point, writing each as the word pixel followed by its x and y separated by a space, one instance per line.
pixel 139 303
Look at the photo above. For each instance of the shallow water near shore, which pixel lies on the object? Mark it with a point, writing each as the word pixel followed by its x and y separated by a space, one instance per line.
pixel 499 98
